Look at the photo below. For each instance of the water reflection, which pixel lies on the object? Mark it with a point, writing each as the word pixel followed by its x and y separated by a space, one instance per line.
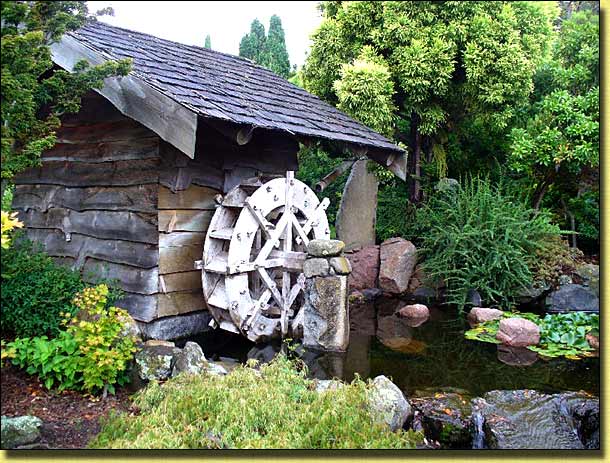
pixel 430 355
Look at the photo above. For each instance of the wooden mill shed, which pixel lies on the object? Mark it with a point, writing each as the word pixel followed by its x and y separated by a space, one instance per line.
pixel 128 191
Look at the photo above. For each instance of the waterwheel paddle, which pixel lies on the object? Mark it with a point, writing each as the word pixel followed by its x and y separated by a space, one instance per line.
pixel 254 252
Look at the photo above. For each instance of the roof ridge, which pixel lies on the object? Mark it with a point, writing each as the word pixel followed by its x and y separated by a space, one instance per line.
pixel 197 47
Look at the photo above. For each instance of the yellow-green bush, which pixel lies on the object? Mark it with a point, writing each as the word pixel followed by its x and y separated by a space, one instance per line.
pixel 274 407
pixel 91 354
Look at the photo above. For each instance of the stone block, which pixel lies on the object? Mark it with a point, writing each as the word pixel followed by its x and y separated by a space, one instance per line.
pixel 316 267
pixel 326 318
pixel 325 248
pixel 340 265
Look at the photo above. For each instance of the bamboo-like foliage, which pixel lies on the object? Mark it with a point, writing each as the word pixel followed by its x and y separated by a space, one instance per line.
pixel 479 237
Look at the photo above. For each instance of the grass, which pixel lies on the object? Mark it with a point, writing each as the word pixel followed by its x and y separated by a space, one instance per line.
pixel 274 407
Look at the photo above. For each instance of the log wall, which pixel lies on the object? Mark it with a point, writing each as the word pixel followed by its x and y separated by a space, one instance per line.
pixel 92 203
pixel 115 201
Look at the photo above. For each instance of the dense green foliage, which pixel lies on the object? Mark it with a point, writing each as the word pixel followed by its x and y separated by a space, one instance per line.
pixel 557 147
pixel 478 237
pixel 34 95
pixel 35 290
pixel 447 62
pixel 273 407
pixel 208 42
pixel 267 50
pixel 91 354
pixel 561 334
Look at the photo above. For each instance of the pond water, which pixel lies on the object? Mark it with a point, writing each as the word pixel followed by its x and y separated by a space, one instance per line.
pixel 433 356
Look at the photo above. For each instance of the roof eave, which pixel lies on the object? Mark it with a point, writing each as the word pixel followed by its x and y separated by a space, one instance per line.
pixel 135 98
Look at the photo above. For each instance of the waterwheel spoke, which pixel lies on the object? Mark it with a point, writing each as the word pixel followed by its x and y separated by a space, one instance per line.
pixel 296 289
pixel 274 237
pixel 287 248
pixel 312 221
pixel 271 285
pixel 300 231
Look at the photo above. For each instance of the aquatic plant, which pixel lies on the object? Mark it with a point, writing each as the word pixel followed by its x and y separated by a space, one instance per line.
pixel 561 335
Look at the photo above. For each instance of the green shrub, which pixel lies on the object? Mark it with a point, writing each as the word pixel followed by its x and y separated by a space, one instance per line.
pixel 481 238
pixel 91 354
pixel 274 407
pixel 35 290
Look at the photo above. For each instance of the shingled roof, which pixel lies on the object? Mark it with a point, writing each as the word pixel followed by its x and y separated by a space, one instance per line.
pixel 222 86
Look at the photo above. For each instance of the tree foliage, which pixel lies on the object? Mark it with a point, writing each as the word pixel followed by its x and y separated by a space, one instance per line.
pixel 34 93
pixel 557 147
pixel 208 42
pixel 448 61
pixel 267 50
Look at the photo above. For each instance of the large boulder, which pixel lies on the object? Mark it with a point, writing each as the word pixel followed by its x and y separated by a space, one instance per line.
pixel 356 217
pixel 483 314
pixel 365 267
pixel 445 418
pixel 518 332
pixel 388 404
pixel 155 361
pixel 589 275
pixel 572 297
pixel 527 419
pixel 189 360
pixel 398 258
pixel 19 430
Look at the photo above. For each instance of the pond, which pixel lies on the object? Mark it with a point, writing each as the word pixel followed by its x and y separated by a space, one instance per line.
pixel 433 356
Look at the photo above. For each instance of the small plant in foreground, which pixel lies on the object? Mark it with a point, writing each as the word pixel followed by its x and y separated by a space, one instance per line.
pixel 90 355
pixel 9 223
pixel 273 407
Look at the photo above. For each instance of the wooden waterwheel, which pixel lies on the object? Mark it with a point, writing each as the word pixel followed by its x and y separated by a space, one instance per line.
pixel 254 252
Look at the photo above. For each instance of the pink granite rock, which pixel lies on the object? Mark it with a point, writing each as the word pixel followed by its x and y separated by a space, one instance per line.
pixel 518 332
pixel 398 258
pixel 483 314
pixel 365 268
pixel 414 311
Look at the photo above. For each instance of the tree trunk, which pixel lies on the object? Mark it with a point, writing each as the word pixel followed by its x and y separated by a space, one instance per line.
pixel 415 161
pixel 542 188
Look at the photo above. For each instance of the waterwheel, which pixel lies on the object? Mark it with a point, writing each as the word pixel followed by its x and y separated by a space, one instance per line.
pixel 254 252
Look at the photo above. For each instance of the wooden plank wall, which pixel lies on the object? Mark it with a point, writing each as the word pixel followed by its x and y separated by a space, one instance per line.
pixel 93 202
pixel 186 205
pixel 114 200
pixel 187 188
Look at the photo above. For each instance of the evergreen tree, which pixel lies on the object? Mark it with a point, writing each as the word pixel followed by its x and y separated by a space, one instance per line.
pixel 253 44
pixel 208 42
pixel 269 51
pixel 275 56
pixel 34 94
pixel 418 70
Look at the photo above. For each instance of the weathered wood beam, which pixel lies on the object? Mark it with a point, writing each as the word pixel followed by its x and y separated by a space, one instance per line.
pixel 172 121
pixel 334 175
